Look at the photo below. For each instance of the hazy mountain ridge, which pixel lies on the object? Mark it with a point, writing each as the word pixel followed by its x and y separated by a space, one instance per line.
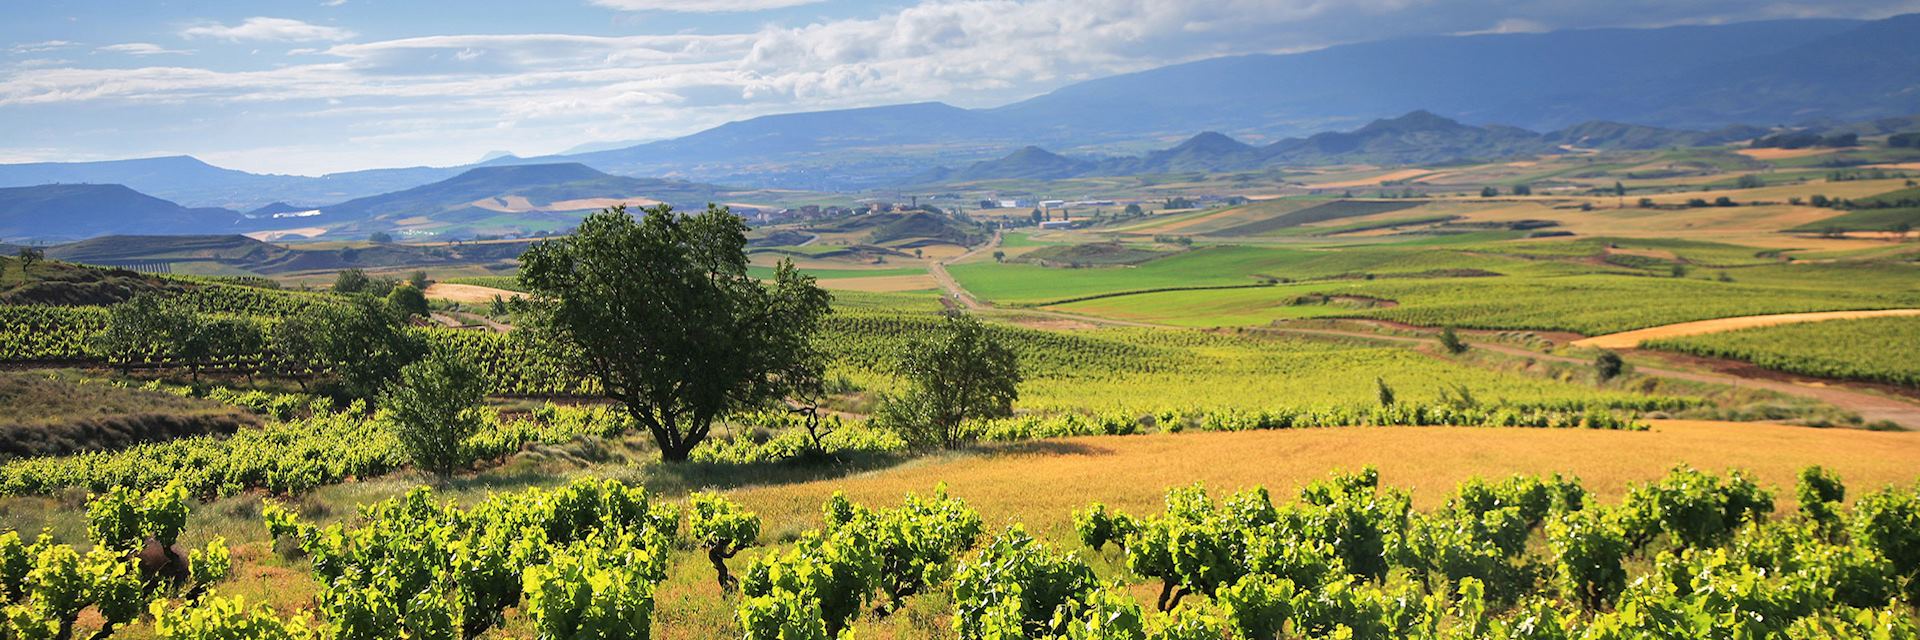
pixel 83 210
pixel 1420 137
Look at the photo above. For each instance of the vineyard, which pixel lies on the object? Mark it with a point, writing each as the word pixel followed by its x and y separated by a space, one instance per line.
pixel 1692 554
pixel 1591 304
pixel 1875 349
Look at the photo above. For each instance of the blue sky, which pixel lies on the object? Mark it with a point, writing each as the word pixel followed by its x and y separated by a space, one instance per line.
pixel 312 86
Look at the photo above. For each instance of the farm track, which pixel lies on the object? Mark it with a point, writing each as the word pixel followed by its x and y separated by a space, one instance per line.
pixel 938 269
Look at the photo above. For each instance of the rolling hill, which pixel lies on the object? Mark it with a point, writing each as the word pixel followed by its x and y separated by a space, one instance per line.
pixel 249 255
pixel 540 185
pixel 57 211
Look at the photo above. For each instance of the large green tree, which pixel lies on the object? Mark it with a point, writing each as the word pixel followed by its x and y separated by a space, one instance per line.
pixel 662 312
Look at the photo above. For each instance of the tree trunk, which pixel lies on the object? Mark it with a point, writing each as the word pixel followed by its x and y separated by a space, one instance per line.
pixel 718 555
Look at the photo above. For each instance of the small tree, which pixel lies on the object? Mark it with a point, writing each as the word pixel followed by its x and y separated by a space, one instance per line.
pixel 1608 365
pixel 1750 181
pixel 1133 209
pixel 999 256
pixel 419 280
pixel 435 407
pixel 29 256
pixel 364 344
pixel 142 329
pixel 1678 270
pixel 380 237
pixel 1522 190
pixel 408 301
pixel 292 350
pixel 1383 390
pixel 662 312
pixel 352 281
pixel 1489 192
pixel 1451 341
pixel 959 373
pixel 1901 229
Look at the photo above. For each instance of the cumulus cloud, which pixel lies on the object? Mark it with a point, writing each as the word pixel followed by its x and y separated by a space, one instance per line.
pixel 701 6
pixel 142 49
pixel 268 29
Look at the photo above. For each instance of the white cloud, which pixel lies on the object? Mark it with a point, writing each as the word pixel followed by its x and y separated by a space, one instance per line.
pixel 142 49
pixel 41 47
pixel 268 29
pixel 701 6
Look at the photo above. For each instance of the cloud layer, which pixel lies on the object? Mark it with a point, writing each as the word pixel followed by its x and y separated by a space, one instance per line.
pixel 445 98
pixel 260 29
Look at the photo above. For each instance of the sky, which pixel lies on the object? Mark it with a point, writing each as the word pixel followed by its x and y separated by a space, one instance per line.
pixel 315 86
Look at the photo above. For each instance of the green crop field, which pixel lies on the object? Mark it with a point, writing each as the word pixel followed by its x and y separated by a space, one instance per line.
pixel 1223 266
pixel 1875 349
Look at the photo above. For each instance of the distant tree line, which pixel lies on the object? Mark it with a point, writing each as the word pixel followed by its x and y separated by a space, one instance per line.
pixel 1806 140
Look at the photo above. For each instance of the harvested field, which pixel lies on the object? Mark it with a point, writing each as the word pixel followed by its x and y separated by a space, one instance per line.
pixel 1335 210
pixel 1782 154
pixel 467 293
pixel 917 282
pixel 1391 176
pixel 1041 483
pixel 1631 339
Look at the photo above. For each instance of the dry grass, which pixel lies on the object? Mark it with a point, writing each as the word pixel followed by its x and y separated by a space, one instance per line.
pixel 1782 154
pixel 1632 339
pixel 467 293
pixel 1041 483
pixel 882 284
pixel 1373 181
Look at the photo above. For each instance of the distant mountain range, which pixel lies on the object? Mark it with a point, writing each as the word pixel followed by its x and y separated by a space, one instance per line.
pixel 1415 138
pixel 496 199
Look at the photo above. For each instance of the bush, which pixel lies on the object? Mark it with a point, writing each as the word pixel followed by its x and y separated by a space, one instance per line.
pixel 435 408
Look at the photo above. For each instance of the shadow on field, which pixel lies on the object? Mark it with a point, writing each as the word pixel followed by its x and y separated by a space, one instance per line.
pixel 672 479
pixel 1043 447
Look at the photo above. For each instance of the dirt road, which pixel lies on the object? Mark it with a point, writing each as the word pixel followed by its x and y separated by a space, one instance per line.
pixel 938 269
